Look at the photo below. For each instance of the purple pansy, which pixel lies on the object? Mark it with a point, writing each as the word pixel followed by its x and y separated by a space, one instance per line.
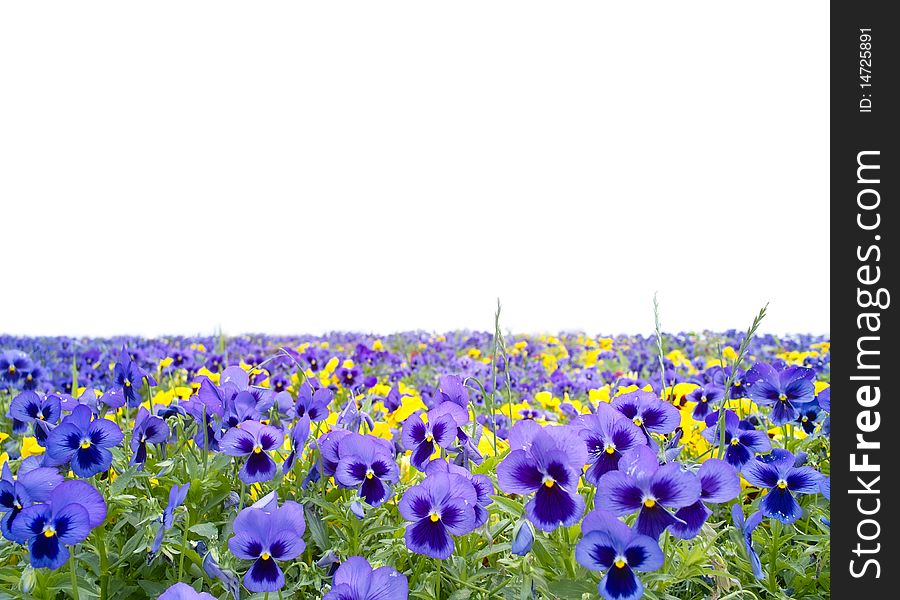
pixel 742 440
pixel 783 480
pixel 706 398
pixel 72 510
pixel 177 496
pixel 782 390
pixel 367 466
pixel 31 407
pixel 648 412
pixel 548 464
pixel 253 440
pixel 719 482
pixel 266 538
pixel 17 494
pixel 356 580
pixel 148 429
pixel 643 485
pixel 610 545
pixel 484 487
pixel 439 508
pixel 313 403
pixel 607 434
pixel 182 591
pixel 83 443
pixel 746 528
pixel 423 438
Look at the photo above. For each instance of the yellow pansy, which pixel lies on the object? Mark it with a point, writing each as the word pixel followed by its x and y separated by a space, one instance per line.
pixel 30 447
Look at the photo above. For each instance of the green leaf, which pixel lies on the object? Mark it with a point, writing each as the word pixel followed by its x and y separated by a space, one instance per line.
pixel 206 530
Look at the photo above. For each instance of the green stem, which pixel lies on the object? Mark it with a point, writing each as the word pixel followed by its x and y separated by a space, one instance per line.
pixel 773 556
pixel 100 544
pixel 73 575
pixel 440 565
pixel 184 544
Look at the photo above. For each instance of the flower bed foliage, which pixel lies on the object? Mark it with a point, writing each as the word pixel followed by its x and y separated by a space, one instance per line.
pixel 457 466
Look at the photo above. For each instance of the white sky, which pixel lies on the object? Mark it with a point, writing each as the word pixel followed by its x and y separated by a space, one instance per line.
pixel 171 167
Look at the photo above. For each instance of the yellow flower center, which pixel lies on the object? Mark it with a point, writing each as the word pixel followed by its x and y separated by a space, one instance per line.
pixel 12 368
pixel 649 502
pixel 782 484
pixel 638 421
pixel 265 556
pixel 620 562
pixel 549 481
pixel 435 518
pixel 127 383
pixel 735 441
pixel 703 399
pixel 782 397
pixel 805 419
pixel 610 448
pixel 370 474
pixel 429 437
pixel 85 444
pixel 49 531
pixel 257 449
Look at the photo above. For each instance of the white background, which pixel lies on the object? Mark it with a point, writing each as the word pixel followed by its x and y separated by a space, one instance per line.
pixel 171 167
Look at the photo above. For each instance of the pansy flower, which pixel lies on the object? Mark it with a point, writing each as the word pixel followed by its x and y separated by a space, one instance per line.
pixel 610 545
pixel 254 441
pixel 148 429
pixel 368 467
pixel 313 404
pixel 783 480
pixel 746 529
pixel 783 390
pixel 267 538
pixel 439 508
pixel 13 364
pixel 31 407
pixel 484 487
pixel 16 494
pixel 705 397
pixel 182 591
pixel 607 434
pixel 648 412
pixel 83 443
pixel 719 482
pixel 549 468
pixel 177 496
pixel 652 490
pixel 129 378
pixel 356 580
pixel 423 438
pixel 742 440
pixel 73 509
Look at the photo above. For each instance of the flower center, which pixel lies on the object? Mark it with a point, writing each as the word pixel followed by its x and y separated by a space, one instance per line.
pixel 429 437
pixel 650 502
pixel 638 421
pixel 12 368
pixel 40 416
pixel 265 556
pixel 435 517
pixel 548 481
pixel 703 399
pixel 620 562
pixel 49 530
pixel 735 441
pixel 805 419
pixel 782 484
pixel 127 383
pixel 370 473
pixel 257 449
pixel 782 397
pixel 85 444
pixel 610 448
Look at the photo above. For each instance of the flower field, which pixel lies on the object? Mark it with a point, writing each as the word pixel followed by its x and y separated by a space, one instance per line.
pixel 457 466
